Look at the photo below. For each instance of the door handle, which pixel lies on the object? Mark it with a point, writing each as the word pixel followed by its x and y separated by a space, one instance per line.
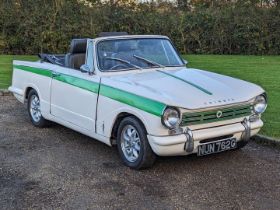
pixel 55 74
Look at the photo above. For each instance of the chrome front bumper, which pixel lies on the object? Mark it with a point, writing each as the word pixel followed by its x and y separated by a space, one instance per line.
pixel 246 134
pixel 188 142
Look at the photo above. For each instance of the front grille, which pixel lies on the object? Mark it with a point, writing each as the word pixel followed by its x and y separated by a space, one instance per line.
pixel 211 116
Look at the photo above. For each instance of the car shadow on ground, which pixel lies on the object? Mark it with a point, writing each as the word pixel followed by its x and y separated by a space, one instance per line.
pixel 169 162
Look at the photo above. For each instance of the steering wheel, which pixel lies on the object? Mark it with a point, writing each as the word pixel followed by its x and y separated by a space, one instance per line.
pixel 118 66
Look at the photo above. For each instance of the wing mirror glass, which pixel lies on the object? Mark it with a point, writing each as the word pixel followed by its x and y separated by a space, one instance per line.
pixel 84 68
pixel 185 62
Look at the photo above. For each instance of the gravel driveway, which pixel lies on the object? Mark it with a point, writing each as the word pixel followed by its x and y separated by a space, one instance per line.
pixel 59 168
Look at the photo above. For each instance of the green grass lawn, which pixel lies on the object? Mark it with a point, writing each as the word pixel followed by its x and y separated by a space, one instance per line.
pixel 262 70
pixel 6 67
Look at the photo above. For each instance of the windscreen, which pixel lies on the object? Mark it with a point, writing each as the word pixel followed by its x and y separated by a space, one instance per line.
pixel 138 53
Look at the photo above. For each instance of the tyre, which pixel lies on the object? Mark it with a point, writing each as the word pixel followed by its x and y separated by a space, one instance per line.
pixel 133 145
pixel 241 144
pixel 34 110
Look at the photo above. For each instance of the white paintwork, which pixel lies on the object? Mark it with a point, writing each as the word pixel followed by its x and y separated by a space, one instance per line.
pixel 174 145
pixel 72 104
pixel 160 87
pixel 22 80
pixel 94 115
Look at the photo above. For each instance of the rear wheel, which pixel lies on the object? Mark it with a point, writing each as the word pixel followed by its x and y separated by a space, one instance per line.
pixel 34 110
pixel 133 145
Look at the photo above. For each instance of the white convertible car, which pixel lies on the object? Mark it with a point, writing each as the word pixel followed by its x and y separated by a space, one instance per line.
pixel 134 91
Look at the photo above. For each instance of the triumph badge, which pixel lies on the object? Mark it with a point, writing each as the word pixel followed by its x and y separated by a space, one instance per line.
pixel 219 114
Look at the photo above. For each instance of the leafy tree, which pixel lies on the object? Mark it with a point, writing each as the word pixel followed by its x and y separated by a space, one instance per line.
pixel 195 26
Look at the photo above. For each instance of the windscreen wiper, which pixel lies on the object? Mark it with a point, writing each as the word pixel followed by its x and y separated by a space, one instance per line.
pixel 148 61
pixel 123 61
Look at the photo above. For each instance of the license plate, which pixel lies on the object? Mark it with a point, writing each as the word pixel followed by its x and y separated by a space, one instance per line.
pixel 217 146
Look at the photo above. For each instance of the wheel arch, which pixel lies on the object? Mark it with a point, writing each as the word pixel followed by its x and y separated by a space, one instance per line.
pixel 28 89
pixel 118 120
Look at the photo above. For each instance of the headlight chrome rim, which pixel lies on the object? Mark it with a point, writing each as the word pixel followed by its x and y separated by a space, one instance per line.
pixel 260 104
pixel 168 122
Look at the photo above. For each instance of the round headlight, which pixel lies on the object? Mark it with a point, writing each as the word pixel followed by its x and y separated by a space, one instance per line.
pixel 171 118
pixel 260 104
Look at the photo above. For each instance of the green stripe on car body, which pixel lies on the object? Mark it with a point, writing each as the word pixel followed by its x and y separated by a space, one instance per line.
pixel 145 104
pixel 186 81
pixel 43 72
pixel 71 80
pixel 140 102
pixel 78 82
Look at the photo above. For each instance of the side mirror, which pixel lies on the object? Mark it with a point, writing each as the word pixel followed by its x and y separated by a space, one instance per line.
pixel 185 62
pixel 84 68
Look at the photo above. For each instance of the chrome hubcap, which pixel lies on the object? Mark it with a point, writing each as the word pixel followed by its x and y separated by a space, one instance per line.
pixel 130 143
pixel 35 110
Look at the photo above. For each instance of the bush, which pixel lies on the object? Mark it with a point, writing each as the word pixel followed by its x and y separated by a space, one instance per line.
pixel 33 26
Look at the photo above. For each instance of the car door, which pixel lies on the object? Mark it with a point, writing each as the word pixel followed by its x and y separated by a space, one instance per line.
pixel 74 95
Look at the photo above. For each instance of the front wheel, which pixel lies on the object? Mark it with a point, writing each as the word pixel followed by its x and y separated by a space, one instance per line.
pixel 133 145
pixel 241 144
pixel 34 110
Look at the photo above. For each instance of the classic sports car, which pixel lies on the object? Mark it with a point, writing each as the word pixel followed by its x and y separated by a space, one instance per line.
pixel 134 91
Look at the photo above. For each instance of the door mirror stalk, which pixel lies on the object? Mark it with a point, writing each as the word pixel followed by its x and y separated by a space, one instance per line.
pixel 85 69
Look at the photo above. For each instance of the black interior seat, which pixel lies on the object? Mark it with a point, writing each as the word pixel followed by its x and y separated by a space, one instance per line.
pixel 77 54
